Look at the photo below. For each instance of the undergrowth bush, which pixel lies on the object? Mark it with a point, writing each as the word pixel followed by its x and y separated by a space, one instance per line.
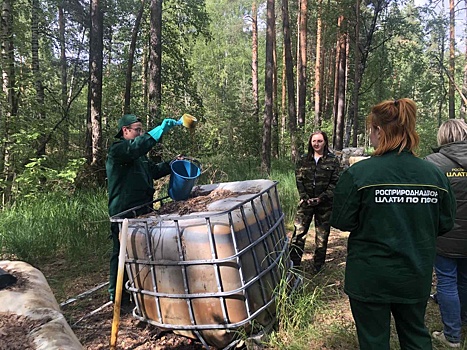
pixel 40 176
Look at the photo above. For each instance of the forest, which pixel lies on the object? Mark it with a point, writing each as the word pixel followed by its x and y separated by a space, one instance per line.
pixel 258 75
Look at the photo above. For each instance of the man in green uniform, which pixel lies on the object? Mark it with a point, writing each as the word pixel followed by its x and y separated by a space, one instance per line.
pixel 130 178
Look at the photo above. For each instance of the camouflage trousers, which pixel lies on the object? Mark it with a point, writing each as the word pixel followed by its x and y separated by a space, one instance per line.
pixel 305 213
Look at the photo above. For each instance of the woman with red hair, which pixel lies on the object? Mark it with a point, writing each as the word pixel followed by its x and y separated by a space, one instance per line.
pixel 395 205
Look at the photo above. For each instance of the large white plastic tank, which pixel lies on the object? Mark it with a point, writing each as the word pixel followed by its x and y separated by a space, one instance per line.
pixel 211 275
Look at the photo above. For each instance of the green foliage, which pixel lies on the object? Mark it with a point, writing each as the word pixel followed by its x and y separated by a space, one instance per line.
pixel 53 225
pixel 206 71
pixel 38 178
pixel 222 71
pixel 427 137
pixel 404 61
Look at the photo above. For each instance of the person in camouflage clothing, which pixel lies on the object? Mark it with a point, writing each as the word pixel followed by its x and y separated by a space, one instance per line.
pixel 316 174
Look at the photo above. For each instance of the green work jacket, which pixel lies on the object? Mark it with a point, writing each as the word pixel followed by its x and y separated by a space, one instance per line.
pixel 395 206
pixel 130 173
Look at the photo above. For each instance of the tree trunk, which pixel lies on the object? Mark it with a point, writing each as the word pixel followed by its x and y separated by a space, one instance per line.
pixel 347 121
pixel 8 58
pixel 463 111
pixel 336 81
pixel 442 90
pixel 284 99
pixel 131 57
pixel 9 87
pixel 357 75
pixel 292 111
pixel 301 64
pixel 275 112
pixel 452 43
pixel 95 89
pixel 328 68
pixel 35 10
pixel 254 61
pixel 268 83
pixel 155 62
pixel 64 78
pixel 330 62
pixel 144 80
pixel 340 91
pixel 318 64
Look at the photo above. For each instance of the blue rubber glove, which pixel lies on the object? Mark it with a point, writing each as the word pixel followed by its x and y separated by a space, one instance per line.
pixel 160 130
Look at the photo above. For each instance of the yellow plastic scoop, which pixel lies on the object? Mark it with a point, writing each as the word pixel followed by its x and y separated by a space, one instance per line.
pixel 188 121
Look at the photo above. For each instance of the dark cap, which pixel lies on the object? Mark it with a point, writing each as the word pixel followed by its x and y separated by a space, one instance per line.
pixel 126 120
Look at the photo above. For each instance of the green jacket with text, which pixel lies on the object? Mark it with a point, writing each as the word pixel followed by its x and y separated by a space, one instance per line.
pixel 395 206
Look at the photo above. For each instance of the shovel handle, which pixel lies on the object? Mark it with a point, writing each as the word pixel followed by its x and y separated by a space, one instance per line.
pixel 119 286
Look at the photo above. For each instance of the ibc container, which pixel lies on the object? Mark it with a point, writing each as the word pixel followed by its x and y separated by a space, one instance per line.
pixel 211 275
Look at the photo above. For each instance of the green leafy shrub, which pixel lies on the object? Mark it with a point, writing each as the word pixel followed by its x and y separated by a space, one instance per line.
pixel 38 177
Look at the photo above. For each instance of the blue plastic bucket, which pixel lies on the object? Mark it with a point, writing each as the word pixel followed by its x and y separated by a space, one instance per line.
pixel 182 178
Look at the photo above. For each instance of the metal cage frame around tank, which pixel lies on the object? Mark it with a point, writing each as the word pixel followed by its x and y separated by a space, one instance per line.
pixel 278 261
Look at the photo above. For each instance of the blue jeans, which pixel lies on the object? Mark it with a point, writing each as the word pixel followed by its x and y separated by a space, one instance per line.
pixel 452 294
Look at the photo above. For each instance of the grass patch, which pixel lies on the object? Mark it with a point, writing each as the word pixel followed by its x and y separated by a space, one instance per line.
pixel 54 226
pixel 296 311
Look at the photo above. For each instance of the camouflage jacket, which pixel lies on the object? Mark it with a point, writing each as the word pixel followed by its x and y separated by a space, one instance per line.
pixel 317 179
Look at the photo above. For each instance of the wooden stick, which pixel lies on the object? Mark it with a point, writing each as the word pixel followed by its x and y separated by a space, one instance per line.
pixel 119 287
